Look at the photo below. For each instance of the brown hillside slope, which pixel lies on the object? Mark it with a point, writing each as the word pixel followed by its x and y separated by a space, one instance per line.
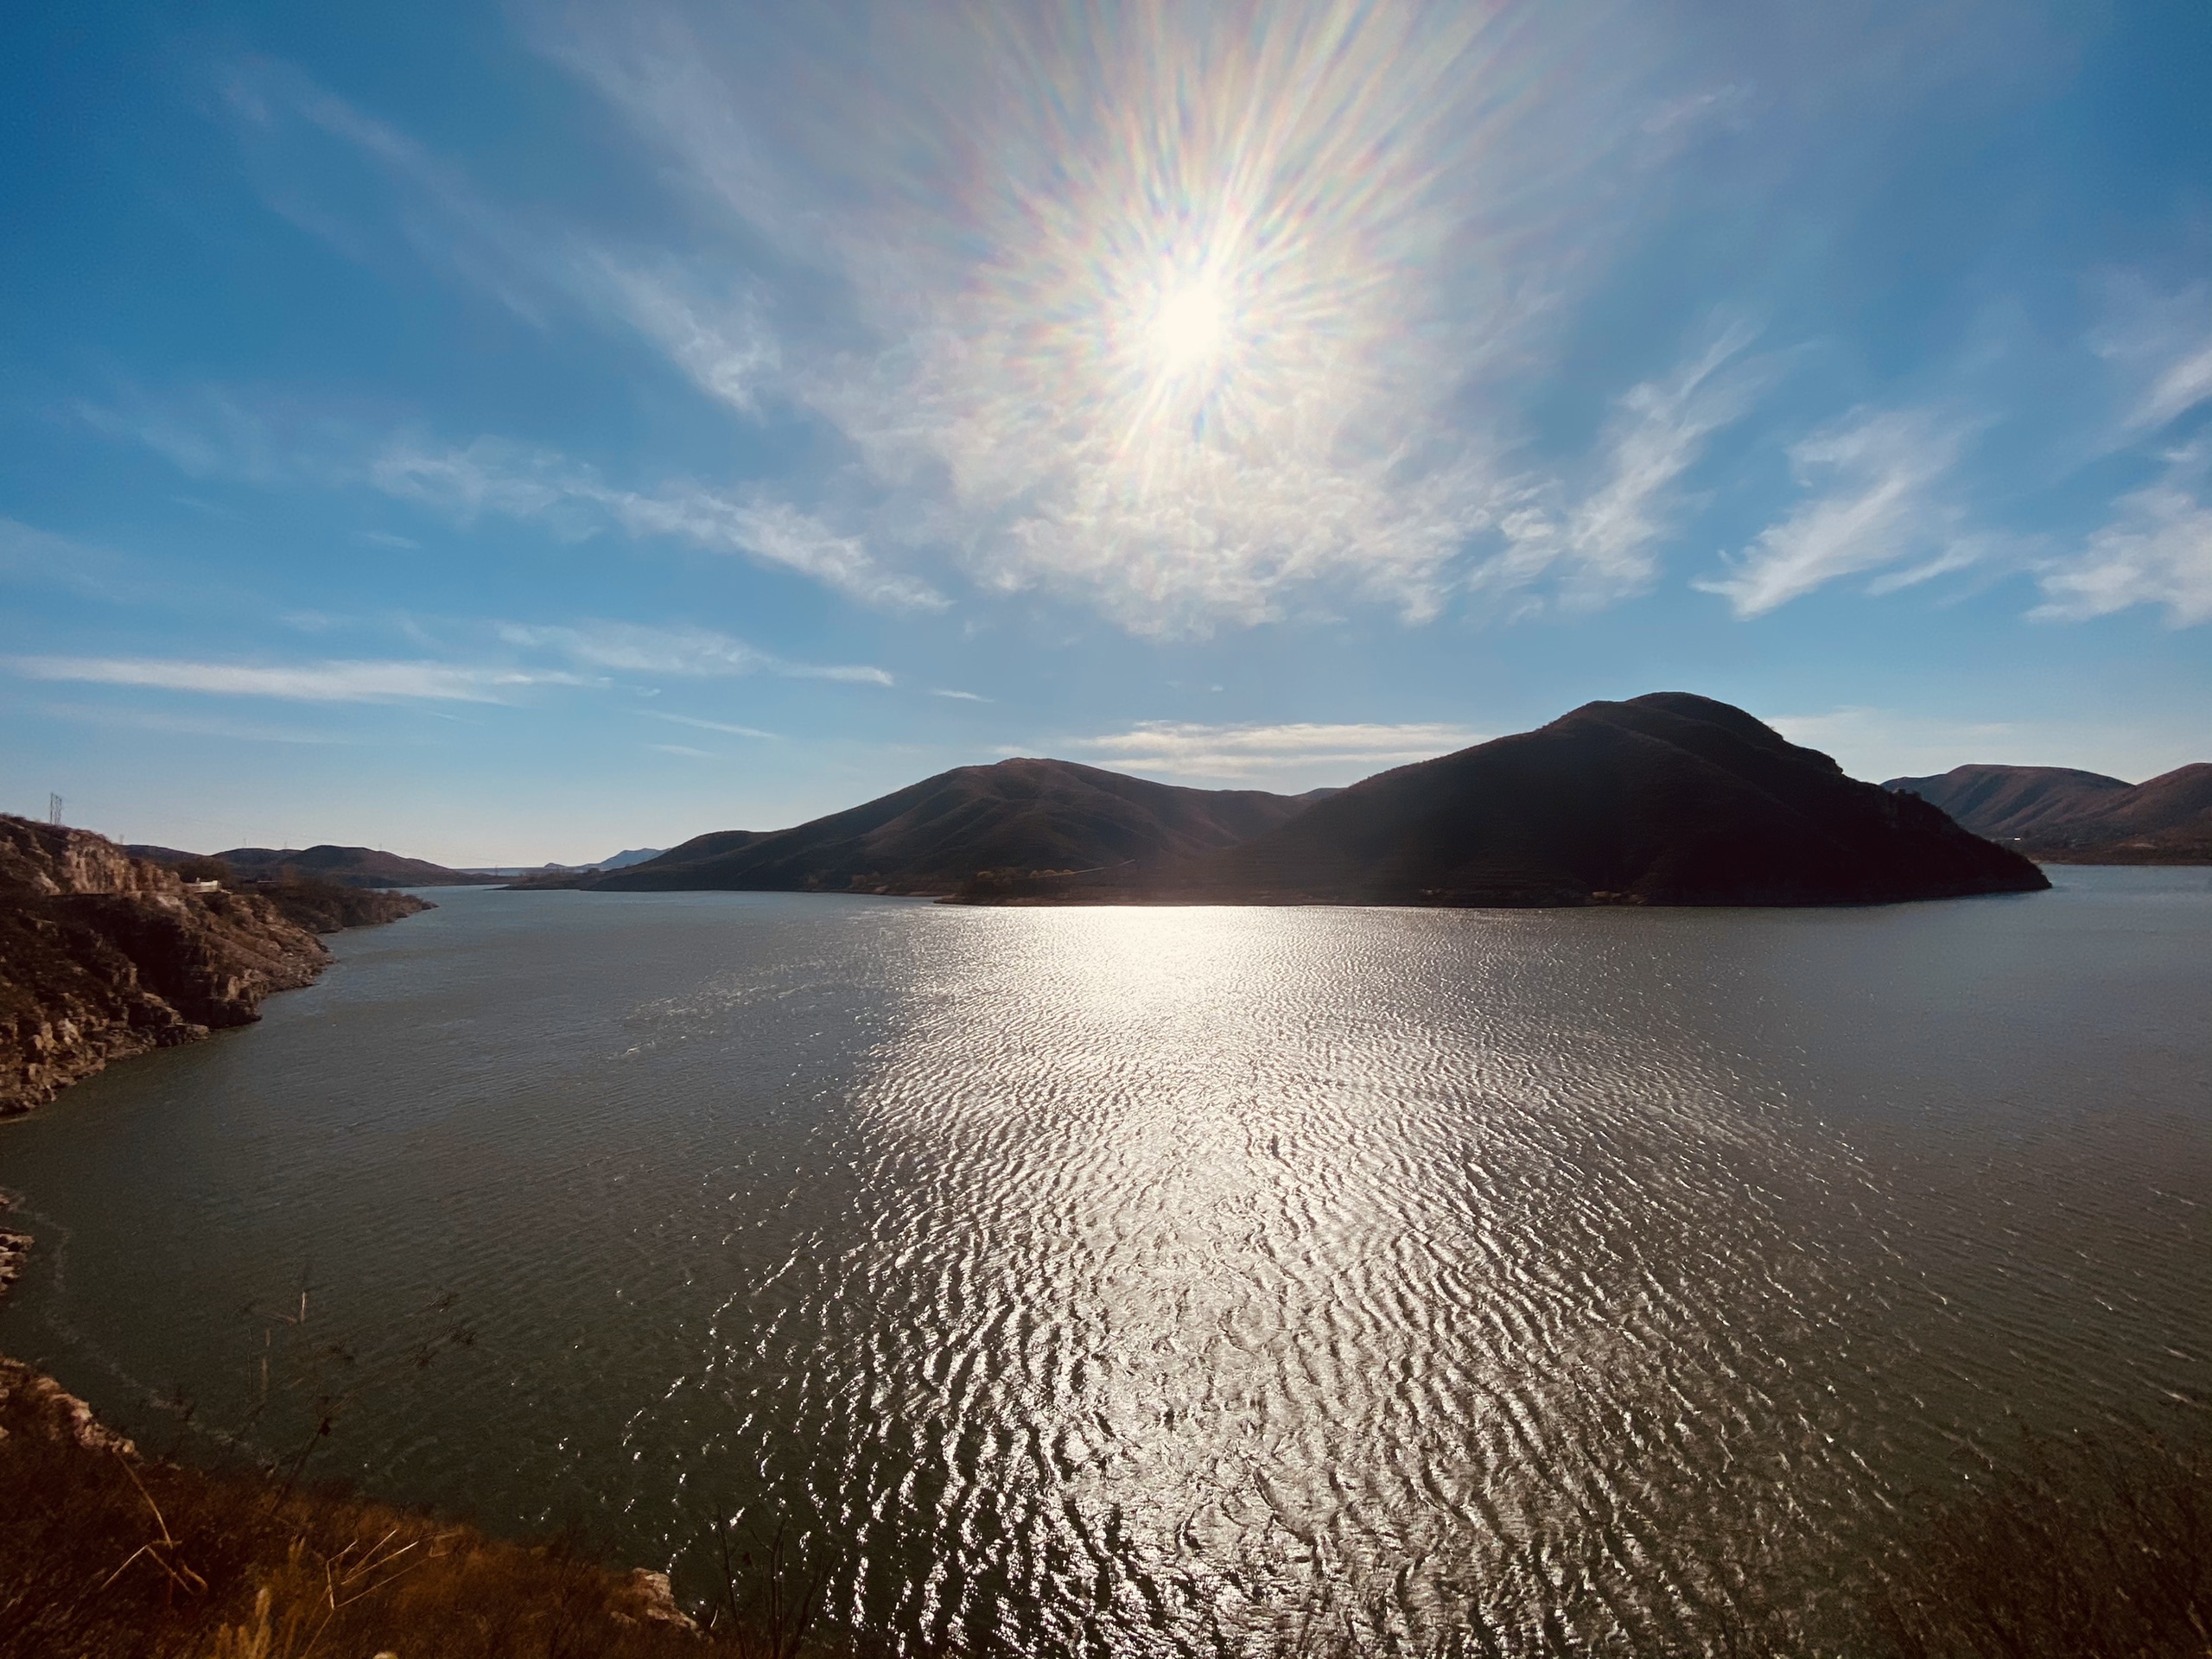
pixel 344 866
pixel 2079 816
pixel 1023 815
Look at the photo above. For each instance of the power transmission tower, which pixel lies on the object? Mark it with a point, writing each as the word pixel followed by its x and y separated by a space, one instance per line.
pixel 53 808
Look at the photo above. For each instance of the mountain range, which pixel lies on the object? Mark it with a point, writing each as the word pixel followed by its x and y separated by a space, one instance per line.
pixel 1018 816
pixel 2079 817
pixel 359 867
pixel 1665 799
pixel 1668 799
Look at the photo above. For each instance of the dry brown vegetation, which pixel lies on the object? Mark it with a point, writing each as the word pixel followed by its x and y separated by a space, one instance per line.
pixel 2081 1549
pixel 104 1555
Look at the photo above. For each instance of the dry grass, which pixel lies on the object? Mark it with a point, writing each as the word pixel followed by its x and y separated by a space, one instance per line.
pixel 106 1557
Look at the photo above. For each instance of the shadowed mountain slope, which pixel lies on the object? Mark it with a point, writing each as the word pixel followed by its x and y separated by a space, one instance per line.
pixel 344 866
pixel 1670 799
pixel 1017 816
pixel 2006 802
pixel 2079 817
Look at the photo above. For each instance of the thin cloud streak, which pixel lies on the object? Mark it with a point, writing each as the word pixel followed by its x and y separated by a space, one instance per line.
pixel 2156 551
pixel 149 720
pixel 217 433
pixel 688 653
pixel 709 725
pixel 1878 743
pixel 1605 546
pixel 2161 344
pixel 324 682
pixel 539 485
pixel 1878 506
pixel 1183 749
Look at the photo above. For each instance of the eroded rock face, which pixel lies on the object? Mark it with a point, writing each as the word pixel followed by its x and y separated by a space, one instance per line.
pixel 104 956
pixel 43 860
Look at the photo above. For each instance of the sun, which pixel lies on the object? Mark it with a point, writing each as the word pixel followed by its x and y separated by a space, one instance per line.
pixel 1190 325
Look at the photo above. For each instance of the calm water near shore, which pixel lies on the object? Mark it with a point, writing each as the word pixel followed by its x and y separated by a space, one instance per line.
pixel 1104 1280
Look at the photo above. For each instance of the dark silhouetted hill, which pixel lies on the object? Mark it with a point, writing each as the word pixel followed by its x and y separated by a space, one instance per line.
pixel 1019 816
pixel 344 866
pixel 2081 818
pixel 1666 799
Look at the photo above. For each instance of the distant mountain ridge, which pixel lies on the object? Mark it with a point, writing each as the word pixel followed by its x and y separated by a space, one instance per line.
pixel 344 866
pixel 1664 800
pixel 2082 817
pixel 1020 816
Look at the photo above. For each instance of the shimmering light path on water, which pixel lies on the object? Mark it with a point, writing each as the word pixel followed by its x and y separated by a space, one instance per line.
pixel 1105 1279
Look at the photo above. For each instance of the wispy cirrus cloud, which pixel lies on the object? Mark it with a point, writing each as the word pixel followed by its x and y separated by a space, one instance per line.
pixel 541 486
pixel 1875 505
pixel 2161 345
pixel 1605 545
pixel 707 725
pixel 1348 751
pixel 2156 549
pixel 155 720
pixel 1185 415
pixel 491 476
pixel 318 681
pixel 687 651
pixel 721 342
pixel 219 433
pixel 41 558
pixel 718 337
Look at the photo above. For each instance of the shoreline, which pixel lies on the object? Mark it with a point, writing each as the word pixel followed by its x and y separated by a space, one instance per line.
pixel 105 957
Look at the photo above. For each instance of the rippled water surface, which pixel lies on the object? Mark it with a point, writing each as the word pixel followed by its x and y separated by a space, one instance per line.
pixel 1106 1280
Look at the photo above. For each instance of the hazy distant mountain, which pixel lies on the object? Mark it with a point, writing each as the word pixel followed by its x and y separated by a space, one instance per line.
pixel 1668 799
pixel 2079 817
pixel 345 867
pixel 624 860
pixel 1019 815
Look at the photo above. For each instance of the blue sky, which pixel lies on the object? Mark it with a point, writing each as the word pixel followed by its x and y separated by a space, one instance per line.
pixel 511 433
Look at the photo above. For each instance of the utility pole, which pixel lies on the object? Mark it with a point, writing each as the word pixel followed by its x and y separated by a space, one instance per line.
pixel 53 808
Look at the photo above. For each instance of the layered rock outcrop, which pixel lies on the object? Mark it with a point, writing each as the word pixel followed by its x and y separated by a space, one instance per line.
pixel 104 956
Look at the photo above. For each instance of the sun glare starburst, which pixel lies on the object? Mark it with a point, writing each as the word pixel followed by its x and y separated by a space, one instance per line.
pixel 1190 325
pixel 1193 332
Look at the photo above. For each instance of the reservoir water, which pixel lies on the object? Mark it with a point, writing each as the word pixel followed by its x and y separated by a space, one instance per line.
pixel 1105 1281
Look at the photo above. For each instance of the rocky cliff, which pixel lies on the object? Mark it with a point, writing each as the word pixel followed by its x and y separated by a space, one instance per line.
pixel 104 956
